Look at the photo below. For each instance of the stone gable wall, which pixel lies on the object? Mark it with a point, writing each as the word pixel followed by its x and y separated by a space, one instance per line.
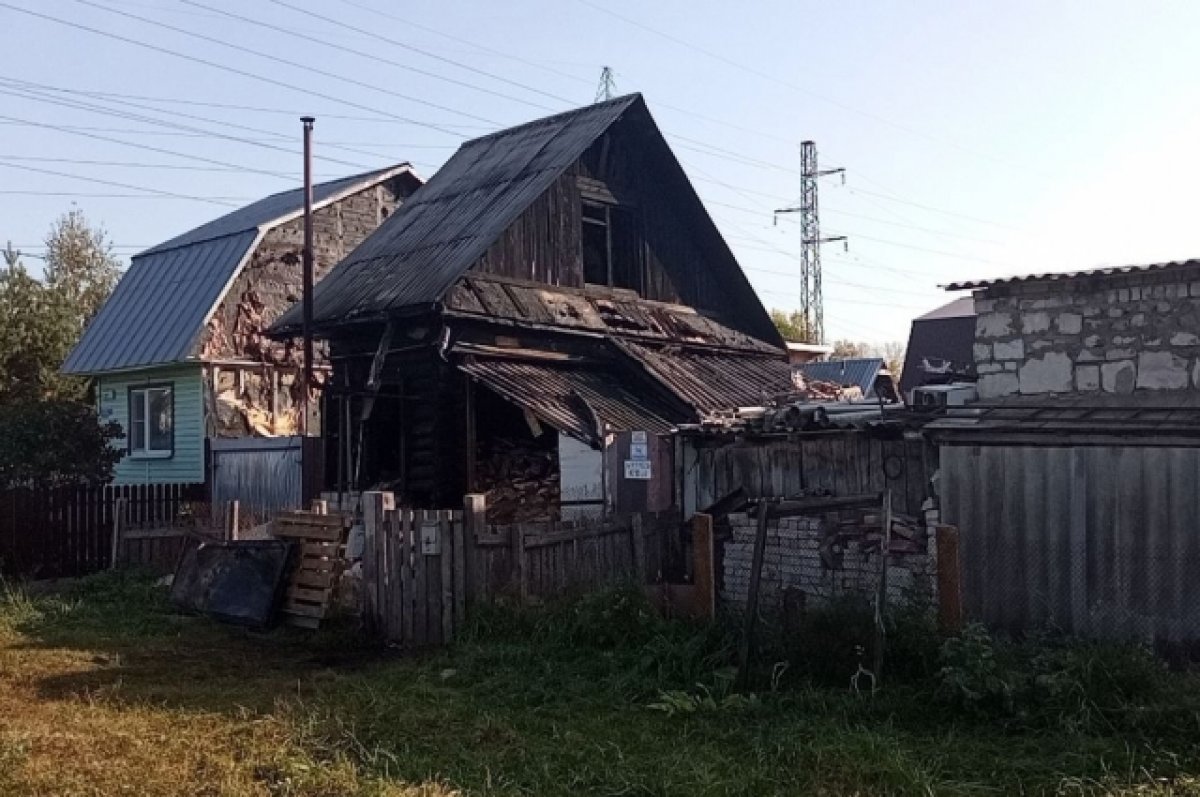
pixel 1113 336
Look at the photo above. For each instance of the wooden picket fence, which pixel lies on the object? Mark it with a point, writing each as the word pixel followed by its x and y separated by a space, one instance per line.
pixel 69 531
pixel 423 568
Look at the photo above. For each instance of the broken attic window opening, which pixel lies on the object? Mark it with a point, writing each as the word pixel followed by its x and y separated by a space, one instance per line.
pixel 152 421
pixel 612 251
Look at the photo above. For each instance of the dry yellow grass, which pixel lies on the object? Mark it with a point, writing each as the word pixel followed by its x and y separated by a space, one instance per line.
pixel 123 714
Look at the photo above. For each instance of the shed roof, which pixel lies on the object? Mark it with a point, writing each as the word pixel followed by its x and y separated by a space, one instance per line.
pixel 712 381
pixel 424 248
pixel 167 295
pixel 860 372
pixel 571 396
pixel 1108 271
pixel 1049 420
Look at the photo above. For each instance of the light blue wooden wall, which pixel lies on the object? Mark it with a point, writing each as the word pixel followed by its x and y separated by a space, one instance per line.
pixel 187 464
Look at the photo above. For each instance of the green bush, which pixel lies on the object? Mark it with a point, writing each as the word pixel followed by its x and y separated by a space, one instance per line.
pixel 1051 681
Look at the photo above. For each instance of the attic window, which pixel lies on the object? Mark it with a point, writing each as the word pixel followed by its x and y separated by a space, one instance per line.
pixel 612 247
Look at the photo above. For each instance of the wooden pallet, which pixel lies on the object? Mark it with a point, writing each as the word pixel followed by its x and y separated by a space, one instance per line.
pixel 321 540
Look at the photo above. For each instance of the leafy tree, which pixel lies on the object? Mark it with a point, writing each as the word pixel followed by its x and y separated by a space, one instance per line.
pixel 80 265
pixel 55 442
pixel 790 325
pixel 48 436
pixel 849 349
pixel 37 329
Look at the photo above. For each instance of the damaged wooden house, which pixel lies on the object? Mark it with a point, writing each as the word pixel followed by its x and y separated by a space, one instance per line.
pixel 178 353
pixel 535 321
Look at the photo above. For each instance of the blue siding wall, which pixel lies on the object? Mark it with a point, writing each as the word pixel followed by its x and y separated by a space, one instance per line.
pixel 187 463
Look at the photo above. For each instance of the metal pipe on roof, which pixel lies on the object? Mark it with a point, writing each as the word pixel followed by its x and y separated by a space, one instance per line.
pixel 307 121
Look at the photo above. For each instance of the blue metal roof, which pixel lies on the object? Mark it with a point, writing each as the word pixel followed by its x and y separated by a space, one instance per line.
pixel 855 372
pixel 159 307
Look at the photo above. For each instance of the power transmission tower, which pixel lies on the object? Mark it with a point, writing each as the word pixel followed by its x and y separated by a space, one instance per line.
pixel 607 86
pixel 812 303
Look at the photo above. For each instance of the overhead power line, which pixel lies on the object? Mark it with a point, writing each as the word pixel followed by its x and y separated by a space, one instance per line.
pixel 775 78
pixel 226 68
pixel 276 28
pixel 38 96
pixel 228 201
pixel 412 48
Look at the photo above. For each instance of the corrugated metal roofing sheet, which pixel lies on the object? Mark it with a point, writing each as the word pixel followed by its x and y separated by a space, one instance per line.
pixel 268 210
pixel 424 247
pixel 859 372
pixel 158 307
pixel 160 304
pixel 714 381
pixel 558 392
pixel 1070 275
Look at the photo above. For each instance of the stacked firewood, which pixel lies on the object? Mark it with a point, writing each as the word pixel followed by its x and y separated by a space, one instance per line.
pixel 520 479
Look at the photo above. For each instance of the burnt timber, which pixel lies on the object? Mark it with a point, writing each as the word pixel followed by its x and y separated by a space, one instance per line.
pixel 560 279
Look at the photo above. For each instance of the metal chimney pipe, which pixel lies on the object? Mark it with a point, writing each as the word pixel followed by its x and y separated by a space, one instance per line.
pixel 308 273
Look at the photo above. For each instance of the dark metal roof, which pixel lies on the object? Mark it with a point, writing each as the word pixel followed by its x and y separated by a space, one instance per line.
pixel 415 257
pixel 1113 271
pixel 165 297
pixel 424 247
pixel 566 395
pixel 714 381
pixel 859 372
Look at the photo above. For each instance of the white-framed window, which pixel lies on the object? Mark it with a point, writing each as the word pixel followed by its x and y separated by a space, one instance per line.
pixel 152 421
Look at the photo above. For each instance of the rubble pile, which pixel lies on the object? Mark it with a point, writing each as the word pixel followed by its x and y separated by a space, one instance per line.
pixel 520 479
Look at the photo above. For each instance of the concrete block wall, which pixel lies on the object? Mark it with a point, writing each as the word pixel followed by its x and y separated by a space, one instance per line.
pixel 1115 335
pixel 792 561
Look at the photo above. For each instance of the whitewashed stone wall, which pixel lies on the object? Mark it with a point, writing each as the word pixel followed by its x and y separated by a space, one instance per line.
pixel 1102 336
pixel 793 561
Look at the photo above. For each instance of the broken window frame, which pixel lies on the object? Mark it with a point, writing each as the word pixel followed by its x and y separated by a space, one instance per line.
pixel 144 440
pixel 610 212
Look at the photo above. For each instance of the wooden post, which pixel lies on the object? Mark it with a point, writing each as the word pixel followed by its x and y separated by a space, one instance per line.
pixel 756 566
pixel 638 541
pixel 473 524
pixel 518 563
pixel 373 511
pixel 704 565
pixel 949 580
pixel 232 511
pixel 119 508
pixel 885 549
pixel 446 524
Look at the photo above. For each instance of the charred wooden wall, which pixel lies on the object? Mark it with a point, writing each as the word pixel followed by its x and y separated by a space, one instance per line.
pixel 685 261
pixel 416 440
pixel 543 244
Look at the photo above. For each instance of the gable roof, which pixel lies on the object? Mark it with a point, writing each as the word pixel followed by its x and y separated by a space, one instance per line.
pixel 169 292
pixel 415 257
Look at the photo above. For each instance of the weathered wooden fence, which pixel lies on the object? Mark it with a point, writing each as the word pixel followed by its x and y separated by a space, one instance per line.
pixel 68 531
pixel 422 568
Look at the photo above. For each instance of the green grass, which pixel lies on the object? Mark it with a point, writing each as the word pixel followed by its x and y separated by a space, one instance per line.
pixel 103 690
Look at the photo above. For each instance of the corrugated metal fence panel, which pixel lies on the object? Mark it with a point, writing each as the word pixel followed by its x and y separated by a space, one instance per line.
pixel 1097 541
pixel 264 474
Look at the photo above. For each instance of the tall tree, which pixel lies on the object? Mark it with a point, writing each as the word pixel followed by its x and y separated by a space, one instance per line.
pixel 80 265
pixel 790 325
pixel 37 329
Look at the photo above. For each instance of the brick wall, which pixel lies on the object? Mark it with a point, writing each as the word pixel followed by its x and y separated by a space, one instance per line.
pixel 824 558
pixel 1114 335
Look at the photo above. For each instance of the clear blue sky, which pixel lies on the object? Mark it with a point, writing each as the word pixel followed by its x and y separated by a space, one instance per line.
pixel 979 139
